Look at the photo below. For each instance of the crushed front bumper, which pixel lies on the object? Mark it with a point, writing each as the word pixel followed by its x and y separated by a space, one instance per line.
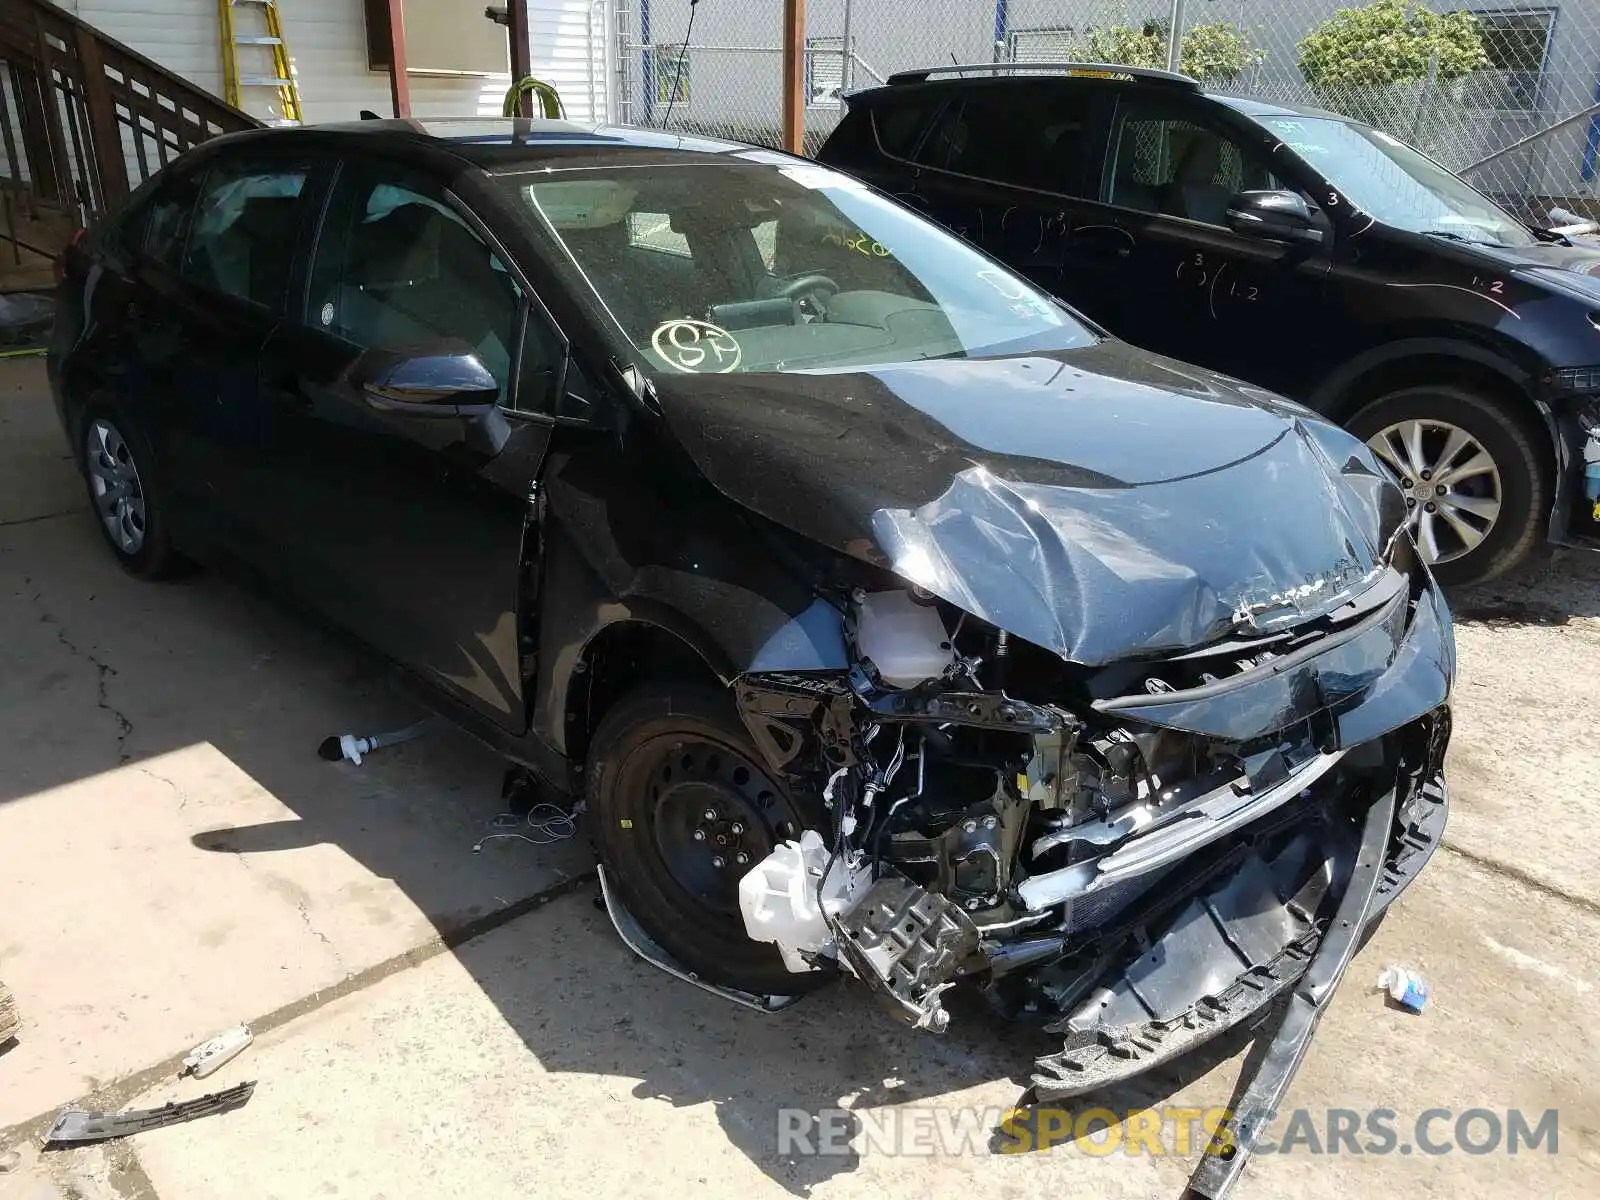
pixel 1239 943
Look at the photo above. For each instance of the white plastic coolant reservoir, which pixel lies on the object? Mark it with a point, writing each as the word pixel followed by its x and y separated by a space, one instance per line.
pixel 778 897
pixel 905 640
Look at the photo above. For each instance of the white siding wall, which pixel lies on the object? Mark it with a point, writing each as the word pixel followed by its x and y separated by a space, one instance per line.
pixel 327 42
pixel 571 48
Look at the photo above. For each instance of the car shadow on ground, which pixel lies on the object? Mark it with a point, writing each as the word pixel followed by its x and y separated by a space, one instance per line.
pixel 1553 588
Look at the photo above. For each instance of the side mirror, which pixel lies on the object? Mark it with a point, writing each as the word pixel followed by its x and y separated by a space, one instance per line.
pixel 1279 216
pixel 445 380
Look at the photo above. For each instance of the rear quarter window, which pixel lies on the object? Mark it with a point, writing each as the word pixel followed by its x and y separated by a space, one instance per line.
pixel 898 126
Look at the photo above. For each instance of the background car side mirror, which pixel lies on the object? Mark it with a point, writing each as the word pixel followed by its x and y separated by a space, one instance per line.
pixel 443 380
pixel 1280 215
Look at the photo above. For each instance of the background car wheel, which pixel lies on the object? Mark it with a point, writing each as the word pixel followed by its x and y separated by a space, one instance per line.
pixel 126 495
pixel 681 807
pixel 1476 480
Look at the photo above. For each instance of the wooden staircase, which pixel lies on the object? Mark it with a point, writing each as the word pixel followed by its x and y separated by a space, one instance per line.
pixel 83 121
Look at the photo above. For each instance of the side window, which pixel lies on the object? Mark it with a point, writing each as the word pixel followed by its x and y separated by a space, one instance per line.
pixel 395 267
pixel 540 370
pixel 166 222
pixel 1178 167
pixel 653 231
pixel 1031 137
pixel 897 125
pixel 241 239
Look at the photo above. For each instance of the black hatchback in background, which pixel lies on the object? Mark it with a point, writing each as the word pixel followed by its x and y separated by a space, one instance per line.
pixel 1289 247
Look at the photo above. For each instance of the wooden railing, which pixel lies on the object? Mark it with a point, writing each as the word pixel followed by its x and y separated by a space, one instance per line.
pixel 83 120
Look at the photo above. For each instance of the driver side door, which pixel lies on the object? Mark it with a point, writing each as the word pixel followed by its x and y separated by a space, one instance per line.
pixel 1191 287
pixel 407 527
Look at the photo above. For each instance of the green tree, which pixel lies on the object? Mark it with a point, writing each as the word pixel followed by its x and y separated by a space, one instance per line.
pixel 1217 52
pixel 1390 42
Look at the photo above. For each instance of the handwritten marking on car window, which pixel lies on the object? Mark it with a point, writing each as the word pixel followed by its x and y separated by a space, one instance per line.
pixel 857 241
pixel 1497 286
pixel 697 347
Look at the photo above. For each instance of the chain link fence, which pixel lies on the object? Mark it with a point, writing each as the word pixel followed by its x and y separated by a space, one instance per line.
pixel 1505 92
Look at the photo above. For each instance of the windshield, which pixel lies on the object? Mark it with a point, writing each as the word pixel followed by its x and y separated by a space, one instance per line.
pixel 777 265
pixel 1396 184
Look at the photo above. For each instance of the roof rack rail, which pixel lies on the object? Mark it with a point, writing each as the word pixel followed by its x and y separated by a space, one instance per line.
pixel 1091 69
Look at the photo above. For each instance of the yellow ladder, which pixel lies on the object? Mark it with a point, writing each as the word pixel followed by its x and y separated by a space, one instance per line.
pixel 282 78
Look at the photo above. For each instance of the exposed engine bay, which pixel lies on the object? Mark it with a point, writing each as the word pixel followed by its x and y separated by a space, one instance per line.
pixel 1141 860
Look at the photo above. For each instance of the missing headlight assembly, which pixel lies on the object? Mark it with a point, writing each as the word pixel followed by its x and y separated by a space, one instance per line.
pixel 1138 856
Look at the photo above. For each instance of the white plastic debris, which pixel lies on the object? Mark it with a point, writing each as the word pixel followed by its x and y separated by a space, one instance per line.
pixel 778 897
pixel 1405 987
pixel 349 747
pixel 213 1052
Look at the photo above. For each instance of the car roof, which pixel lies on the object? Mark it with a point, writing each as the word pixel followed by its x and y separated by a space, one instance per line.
pixel 1085 74
pixel 1249 106
pixel 515 142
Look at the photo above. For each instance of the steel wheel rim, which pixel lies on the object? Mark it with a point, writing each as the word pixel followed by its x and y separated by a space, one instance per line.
pixel 114 481
pixel 714 815
pixel 1451 483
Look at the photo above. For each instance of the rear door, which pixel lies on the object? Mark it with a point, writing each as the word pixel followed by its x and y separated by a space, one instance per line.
pixel 210 287
pixel 409 530
pixel 1007 164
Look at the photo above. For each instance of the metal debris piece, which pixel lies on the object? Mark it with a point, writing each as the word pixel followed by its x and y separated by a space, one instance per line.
pixel 75 1126
pixel 212 1053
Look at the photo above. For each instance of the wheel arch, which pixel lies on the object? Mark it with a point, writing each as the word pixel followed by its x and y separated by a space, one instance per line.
pixel 1414 361
pixel 620 656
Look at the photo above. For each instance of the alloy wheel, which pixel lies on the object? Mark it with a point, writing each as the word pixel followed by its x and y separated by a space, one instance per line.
pixel 114 480
pixel 1451 483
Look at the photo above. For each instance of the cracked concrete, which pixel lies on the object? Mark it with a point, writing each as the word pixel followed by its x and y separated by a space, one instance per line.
pixel 104 673
pixel 149 734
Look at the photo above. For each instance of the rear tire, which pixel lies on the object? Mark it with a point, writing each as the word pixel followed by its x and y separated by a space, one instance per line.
pixel 675 784
pixel 126 493
pixel 1494 474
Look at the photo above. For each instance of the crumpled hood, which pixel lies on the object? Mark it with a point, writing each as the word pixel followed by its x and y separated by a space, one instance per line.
pixel 1100 503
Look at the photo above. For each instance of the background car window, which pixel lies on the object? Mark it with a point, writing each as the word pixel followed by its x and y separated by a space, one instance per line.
pixel 1031 137
pixel 1182 169
pixel 242 239
pixel 397 267
pixel 897 125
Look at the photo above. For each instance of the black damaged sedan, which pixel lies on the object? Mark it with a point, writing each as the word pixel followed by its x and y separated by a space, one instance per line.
pixel 887 618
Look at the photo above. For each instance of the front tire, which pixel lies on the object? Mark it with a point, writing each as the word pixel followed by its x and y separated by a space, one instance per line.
pixel 126 493
pixel 1476 481
pixel 677 793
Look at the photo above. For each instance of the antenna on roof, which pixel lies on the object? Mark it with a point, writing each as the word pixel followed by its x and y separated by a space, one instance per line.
pixel 368 115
